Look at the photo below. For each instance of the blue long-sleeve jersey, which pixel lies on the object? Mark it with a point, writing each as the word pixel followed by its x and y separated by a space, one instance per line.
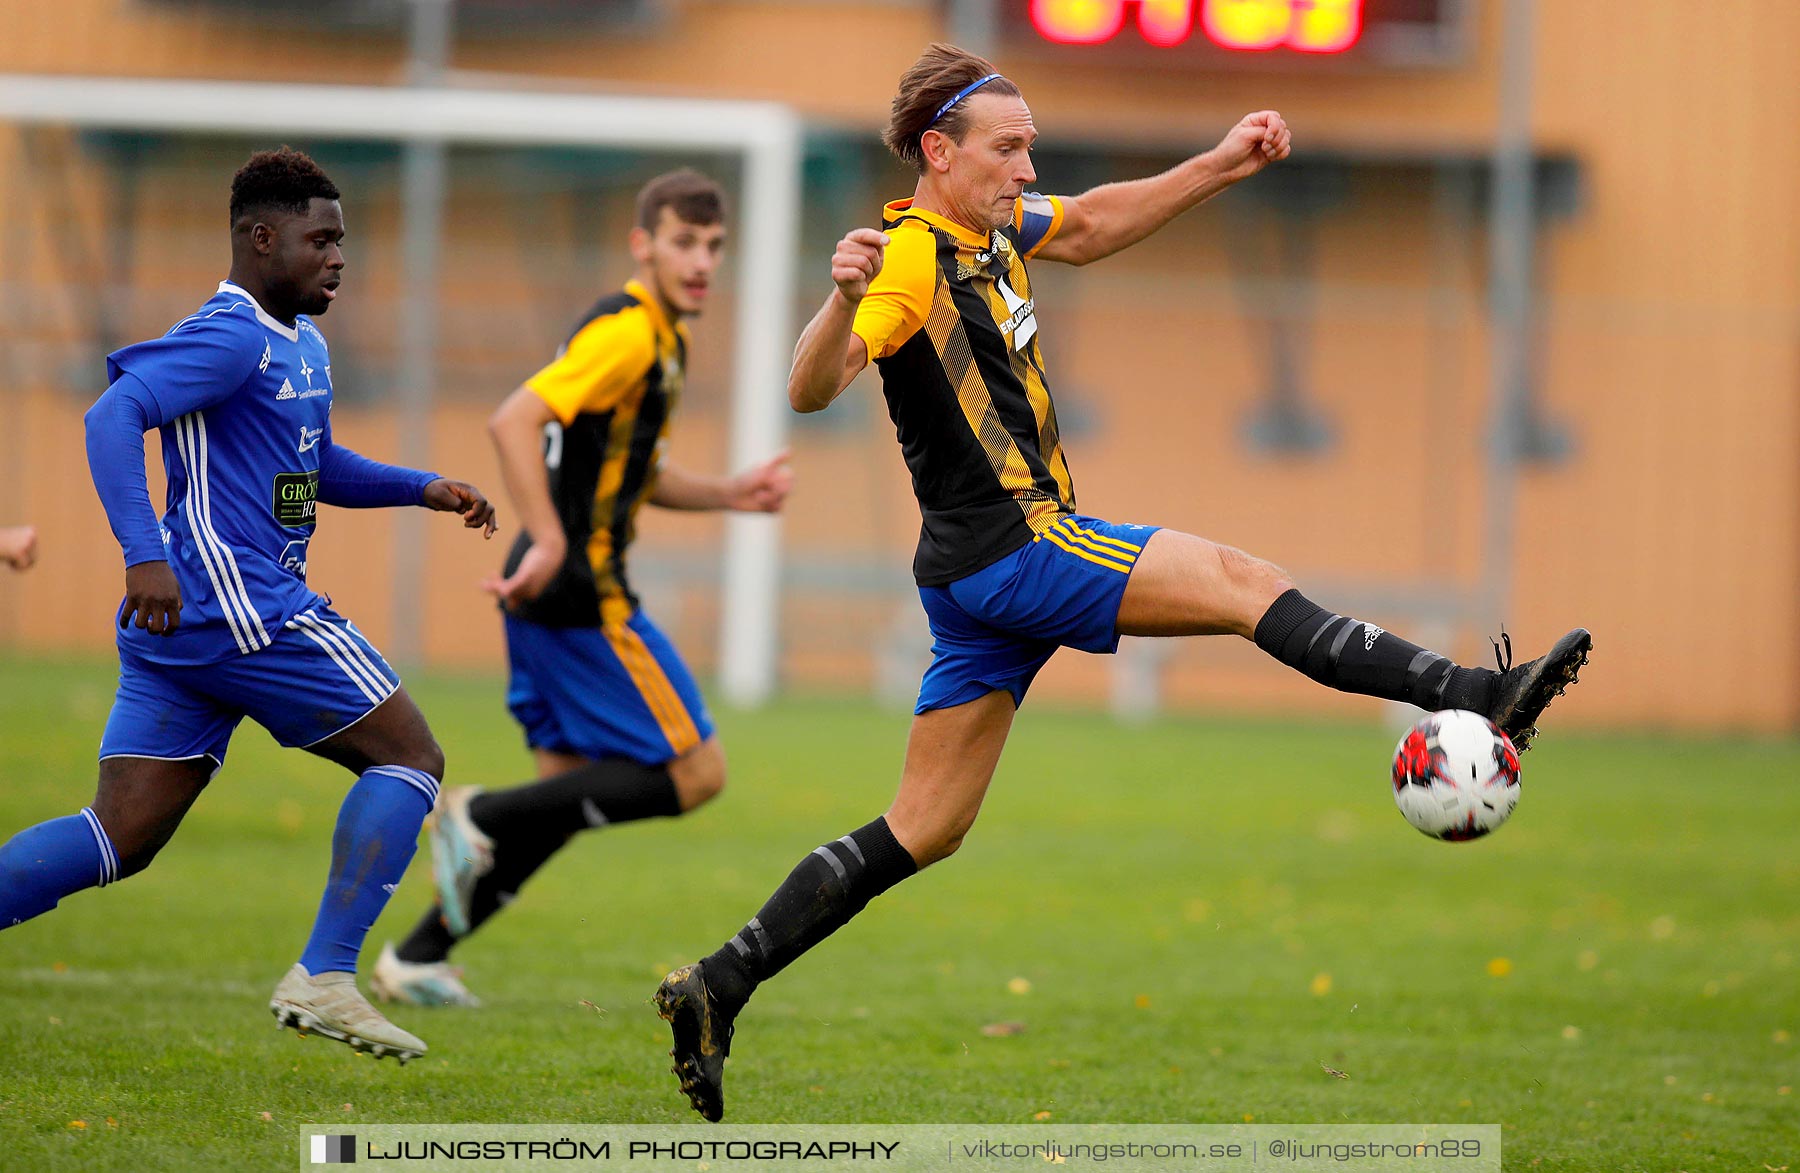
pixel 244 404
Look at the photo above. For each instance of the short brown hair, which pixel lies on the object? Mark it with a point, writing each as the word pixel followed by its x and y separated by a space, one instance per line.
pixel 693 197
pixel 937 76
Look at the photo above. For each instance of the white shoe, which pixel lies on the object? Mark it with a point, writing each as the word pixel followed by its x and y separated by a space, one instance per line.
pixel 331 1005
pixel 460 855
pixel 430 983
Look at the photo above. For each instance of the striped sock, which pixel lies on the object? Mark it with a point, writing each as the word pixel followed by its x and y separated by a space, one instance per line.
pixel 1353 656
pixel 42 864
pixel 377 833
pixel 818 898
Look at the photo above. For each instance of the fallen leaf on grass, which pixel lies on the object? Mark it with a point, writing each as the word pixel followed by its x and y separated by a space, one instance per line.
pixel 591 1006
pixel 1334 1072
pixel 1040 1115
pixel 1000 1030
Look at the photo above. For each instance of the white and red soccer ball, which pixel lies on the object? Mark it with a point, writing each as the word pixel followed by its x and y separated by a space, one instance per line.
pixel 1456 775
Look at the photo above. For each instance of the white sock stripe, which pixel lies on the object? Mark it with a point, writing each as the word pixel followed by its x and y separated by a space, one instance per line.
pixel 109 859
pixel 107 848
pixel 419 776
pixel 88 816
pixel 417 779
pixel 355 679
pixel 348 653
pixel 183 445
pixel 229 559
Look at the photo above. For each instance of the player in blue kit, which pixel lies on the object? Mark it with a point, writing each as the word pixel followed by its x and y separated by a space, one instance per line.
pixel 218 623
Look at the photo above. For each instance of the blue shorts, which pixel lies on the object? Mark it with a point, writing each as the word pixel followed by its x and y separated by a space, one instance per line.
pixel 995 628
pixel 619 690
pixel 320 676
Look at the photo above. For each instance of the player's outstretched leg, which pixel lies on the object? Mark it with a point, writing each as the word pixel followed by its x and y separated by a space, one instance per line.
pixel 828 887
pixel 1184 585
pixel 42 864
pixel 139 803
pixel 950 758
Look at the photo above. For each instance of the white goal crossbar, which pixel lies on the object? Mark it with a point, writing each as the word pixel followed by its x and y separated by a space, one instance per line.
pixel 766 135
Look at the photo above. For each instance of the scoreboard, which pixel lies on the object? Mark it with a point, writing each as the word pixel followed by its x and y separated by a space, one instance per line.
pixel 1289 33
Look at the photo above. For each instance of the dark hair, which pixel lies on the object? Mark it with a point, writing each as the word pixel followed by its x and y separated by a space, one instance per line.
pixel 938 75
pixel 285 180
pixel 693 197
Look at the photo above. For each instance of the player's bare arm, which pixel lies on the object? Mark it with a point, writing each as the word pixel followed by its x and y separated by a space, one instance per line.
pixel 829 355
pixel 760 489
pixel 1102 221
pixel 517 430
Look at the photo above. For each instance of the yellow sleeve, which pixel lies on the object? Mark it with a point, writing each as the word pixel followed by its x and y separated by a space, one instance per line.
pixel 899 298
pixel 1036 221
pixel 600 365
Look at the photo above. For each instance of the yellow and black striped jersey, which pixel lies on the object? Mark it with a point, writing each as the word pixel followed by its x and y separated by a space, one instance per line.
pixel 950 322
pixel 613 388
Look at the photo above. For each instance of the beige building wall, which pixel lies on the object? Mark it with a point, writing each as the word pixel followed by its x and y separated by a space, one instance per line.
pixel 1671 311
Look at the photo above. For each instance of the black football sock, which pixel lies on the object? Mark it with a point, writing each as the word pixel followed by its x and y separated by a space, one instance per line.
pixel 1352 656
pixel 530 823
pixel 612 790
pixel 428 942
pixel 515 861
pixel 820 895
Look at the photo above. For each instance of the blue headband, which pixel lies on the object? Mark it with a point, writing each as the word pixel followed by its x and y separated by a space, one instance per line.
pixel 960 95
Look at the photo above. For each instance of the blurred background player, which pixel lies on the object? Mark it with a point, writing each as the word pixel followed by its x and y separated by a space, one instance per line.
pixel 610 711
pixel 1007 570
pixel 218 622
pixel 18 546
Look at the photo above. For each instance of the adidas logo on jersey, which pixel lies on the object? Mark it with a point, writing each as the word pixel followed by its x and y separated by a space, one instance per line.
pixel 287 390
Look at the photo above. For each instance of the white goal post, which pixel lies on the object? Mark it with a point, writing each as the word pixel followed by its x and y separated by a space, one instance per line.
pixel 767 135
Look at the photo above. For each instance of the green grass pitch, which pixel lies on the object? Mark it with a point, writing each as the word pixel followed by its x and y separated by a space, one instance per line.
pixel 1193 920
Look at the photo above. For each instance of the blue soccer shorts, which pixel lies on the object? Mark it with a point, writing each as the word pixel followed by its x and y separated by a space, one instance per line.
pixel 320 676
pixel 997 627
pixel 619 690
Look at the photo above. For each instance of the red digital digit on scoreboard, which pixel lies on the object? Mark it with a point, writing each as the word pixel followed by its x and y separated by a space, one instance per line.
pixel 1309 26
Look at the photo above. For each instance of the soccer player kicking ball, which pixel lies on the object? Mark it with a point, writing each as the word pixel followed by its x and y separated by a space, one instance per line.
pixel 218 622
pixel 1007 568
pixel 611 713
